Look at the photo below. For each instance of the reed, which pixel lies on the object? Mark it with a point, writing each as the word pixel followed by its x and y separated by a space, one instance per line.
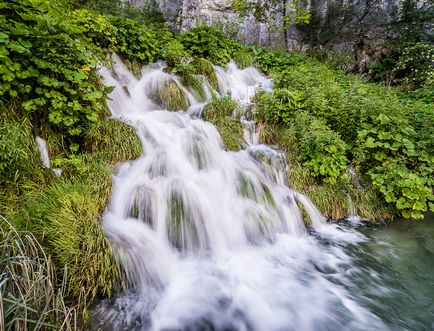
pixel 29 297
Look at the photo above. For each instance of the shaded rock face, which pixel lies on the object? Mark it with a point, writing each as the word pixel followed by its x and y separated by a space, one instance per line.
pixel 184 14
pixel 358 30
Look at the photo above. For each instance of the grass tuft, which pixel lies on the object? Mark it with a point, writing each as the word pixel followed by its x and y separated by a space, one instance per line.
pixel 205 68
pixel 29 297
pixel 115 140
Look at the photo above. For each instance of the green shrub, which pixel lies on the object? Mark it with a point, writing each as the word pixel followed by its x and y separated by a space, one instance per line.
pixel 399 167
pixel 278 106
pixel 174 53
pixel 321 150
pixel 244 57
pixel 415 65
pixel 49 65
pixel 205 42
pixel 135 41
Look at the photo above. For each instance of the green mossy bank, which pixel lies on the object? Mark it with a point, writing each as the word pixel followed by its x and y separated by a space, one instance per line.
pixel 351 145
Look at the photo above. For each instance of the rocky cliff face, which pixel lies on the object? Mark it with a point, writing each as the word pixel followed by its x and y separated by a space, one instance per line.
pixel 184 14
pixel 355 26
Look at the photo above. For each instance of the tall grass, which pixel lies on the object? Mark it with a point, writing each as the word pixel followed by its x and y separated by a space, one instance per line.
pixel 29 297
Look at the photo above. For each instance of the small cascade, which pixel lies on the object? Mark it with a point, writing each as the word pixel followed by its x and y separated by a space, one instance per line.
pixel 44 155
pixel 43 152
pixel 210 239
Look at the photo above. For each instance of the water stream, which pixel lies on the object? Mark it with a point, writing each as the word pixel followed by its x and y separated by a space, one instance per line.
pixel 216 240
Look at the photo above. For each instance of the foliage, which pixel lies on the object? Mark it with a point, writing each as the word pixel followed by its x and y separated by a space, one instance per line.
pixel 67 216
pixel 147 13
pixel 379 125
pixel 274 61
pixel 278 106
pixel 29 299
pixel 114 140
pixel 18 152
pixel 171 96
pixel 399 168
pixel 415 65
pixel 225 114
pixel 134 40
pixel 204 67
pixel 49 64
pixel 231 131
pixel 175 53
pixel 220 108
pixel 244 57
pixel 205 42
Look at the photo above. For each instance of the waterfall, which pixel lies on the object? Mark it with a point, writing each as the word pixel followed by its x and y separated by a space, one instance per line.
pixel 211 239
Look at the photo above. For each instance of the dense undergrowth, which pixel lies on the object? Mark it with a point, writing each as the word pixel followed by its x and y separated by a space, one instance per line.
pixel 344 138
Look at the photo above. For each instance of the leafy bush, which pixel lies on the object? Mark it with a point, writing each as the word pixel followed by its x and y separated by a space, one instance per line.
pixel 399 168
pixel 415 65
pixel 210 44
pixel 320 149
pixel 278 106
pixel 135 41
pixel 48 63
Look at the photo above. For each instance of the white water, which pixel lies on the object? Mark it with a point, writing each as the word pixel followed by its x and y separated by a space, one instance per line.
pixel 214 240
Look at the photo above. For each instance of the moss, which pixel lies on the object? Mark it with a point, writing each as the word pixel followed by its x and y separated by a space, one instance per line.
pixel 195 85
pixel 224 113
pixel 114 139
pixel 231 131
pixel 205 68
pixel 135 67
pixel 171 97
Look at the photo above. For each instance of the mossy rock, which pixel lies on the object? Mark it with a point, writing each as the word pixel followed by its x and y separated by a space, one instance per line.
pixel 204 67
pixel 220 108
pixel 114 139
pixel 195 85
pixel 135 67
pixel 171 97
pixel 231 131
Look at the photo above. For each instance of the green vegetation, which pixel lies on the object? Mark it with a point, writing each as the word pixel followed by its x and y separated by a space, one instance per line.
pixel 225 114
pixel 335 120
pixel 325 120
pixel 29 296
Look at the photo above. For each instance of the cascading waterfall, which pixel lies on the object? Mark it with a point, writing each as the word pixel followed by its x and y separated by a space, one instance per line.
pixel 211 239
